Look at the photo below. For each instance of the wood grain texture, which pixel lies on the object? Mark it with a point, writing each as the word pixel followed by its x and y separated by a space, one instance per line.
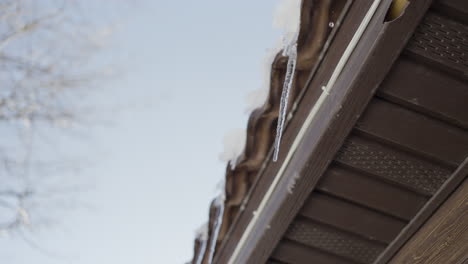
pixel 444 237
pixel 425 213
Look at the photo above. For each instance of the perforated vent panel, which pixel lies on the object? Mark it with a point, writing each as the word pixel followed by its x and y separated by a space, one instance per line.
pixel 334 241
pixel 442 40
pixel 392 165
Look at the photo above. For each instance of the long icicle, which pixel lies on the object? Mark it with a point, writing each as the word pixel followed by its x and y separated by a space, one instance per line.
pixel 288 81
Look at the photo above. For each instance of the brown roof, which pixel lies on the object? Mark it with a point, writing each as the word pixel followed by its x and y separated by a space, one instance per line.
pixel 385 150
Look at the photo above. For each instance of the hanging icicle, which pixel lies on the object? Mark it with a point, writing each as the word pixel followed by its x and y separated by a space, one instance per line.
pixel 219 203
pixel 291 52
pixel 202 235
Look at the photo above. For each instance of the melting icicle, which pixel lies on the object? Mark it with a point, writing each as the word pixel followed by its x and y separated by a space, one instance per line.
pixel 291 52
pixel 219 202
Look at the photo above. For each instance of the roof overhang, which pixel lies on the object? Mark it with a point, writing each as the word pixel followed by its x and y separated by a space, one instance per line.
pixel 360 55
pixel 376 104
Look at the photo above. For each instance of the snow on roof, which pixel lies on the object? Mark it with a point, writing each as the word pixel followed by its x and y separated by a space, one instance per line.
pixel 234 143
pixel 202 232
pixel 258 97
pixel 287 18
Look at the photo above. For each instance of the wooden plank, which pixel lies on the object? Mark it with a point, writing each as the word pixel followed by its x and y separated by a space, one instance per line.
pixel 427 90
pixel 444 237
pixel 348 185
pixel 295 253
pixel 352 218
pixel 451 184
pixel 413 131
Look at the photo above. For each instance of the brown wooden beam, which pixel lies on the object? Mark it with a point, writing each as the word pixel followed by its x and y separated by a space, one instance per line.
pixel 455 179
pixel 444 237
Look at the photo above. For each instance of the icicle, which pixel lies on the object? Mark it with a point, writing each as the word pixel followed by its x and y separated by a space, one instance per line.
pixel 291 52
pixel 219 202
pixel 202 234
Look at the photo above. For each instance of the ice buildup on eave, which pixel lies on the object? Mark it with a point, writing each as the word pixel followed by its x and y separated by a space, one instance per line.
pixel 245 163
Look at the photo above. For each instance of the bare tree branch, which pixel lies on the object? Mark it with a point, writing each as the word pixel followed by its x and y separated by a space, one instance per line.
pixel 43 72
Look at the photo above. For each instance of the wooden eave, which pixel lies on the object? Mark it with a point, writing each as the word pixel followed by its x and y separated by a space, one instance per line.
pixel 443 238
pixel 385 150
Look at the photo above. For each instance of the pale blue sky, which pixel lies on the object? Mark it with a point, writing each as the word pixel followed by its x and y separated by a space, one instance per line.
pixel 188 68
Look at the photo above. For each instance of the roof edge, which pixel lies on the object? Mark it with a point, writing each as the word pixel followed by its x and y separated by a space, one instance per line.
pixel 316 16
